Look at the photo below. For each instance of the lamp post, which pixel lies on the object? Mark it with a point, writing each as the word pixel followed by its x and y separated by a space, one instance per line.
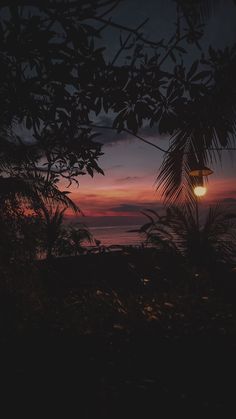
pixel 199 172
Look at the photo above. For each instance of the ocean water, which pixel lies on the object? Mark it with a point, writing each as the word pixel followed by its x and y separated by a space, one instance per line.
pixel 117 235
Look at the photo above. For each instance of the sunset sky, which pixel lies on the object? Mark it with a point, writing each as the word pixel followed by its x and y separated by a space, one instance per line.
pixel 128 186
pixel 131 166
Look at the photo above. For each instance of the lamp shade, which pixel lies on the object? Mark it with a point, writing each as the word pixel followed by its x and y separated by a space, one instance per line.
pixel 200 171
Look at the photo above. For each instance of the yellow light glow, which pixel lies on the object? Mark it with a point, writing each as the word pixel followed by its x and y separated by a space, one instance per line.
pixel 200 190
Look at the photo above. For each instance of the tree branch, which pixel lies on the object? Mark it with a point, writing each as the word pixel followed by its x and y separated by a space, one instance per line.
pixel 171 49
pixel 130 133
pixel 125 28
pixel 110 9
pixel 126 41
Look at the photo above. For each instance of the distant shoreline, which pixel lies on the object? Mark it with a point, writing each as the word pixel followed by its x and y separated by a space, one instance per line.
pixel 117 235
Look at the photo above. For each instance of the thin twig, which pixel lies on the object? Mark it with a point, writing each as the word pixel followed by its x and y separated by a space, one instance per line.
pixel 171 49
pixel 188 20
pixel 121 49
pixel 126 41
pixel 110 9
pixel 125 28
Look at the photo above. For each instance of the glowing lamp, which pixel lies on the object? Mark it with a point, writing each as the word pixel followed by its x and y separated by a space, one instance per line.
pixel 199 172
pixel 200 190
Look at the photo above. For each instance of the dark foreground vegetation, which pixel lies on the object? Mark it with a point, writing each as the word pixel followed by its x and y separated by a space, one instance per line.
pixel 119 334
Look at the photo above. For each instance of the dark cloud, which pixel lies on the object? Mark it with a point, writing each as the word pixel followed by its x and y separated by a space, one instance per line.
pixel 136 207
pixel 115 220
pixel 152 133
pixel 129 179
pixel 116 166
pixel 229 203
pixel 229 200
pixel 126 208
pixel 110 137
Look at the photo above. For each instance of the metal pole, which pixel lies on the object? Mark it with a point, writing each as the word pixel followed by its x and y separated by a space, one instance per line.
pixel 197 213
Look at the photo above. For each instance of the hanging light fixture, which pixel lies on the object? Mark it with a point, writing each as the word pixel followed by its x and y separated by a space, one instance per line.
pixel 199 171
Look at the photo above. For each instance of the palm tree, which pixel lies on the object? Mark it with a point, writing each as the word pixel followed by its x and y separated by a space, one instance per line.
pixel 203 246
pixel 52 221
pixel 70 240
pixel 51 213
pixel 78 234
pixel 200 10
pixel 21 194
pixel 205 119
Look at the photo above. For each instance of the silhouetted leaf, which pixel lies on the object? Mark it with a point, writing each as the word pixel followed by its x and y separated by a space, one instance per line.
pixel 192 70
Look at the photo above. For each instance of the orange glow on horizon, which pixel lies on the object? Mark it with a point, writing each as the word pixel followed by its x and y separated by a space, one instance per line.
pixel 107 198
pixel 106 202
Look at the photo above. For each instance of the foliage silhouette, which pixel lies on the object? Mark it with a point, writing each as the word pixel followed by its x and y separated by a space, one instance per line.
pixel 26 207
pixel 203 246
pixel 57 238
pixel 70 242
pixel 52 223
pixel 20 236
pixel 56 80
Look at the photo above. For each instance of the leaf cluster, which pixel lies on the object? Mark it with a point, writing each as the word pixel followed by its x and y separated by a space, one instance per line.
pixel 203 246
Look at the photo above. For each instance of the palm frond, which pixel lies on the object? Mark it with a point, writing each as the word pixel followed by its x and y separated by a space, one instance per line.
pixel 208 125
pixel 201 10
pixel 80 233
pixel 173 178
pixel 202 246
pixel 48 194
pixel 32 191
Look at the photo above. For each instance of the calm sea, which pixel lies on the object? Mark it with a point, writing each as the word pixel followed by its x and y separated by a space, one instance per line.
pixel 116 235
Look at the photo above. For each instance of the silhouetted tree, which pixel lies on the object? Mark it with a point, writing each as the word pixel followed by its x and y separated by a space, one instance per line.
pixel 72 238
pixel 21 200
pixel 52 217
pixel 52 223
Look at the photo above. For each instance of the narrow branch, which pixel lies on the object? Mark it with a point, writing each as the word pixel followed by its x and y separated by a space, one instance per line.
pixel 110 9
pixel 98 31
pixel 125 28
pixel 171 49
pixel 105 3
pixel 188 20
pixel 121 49
pixel 146 141
pixel 126 41
pixel 130 133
